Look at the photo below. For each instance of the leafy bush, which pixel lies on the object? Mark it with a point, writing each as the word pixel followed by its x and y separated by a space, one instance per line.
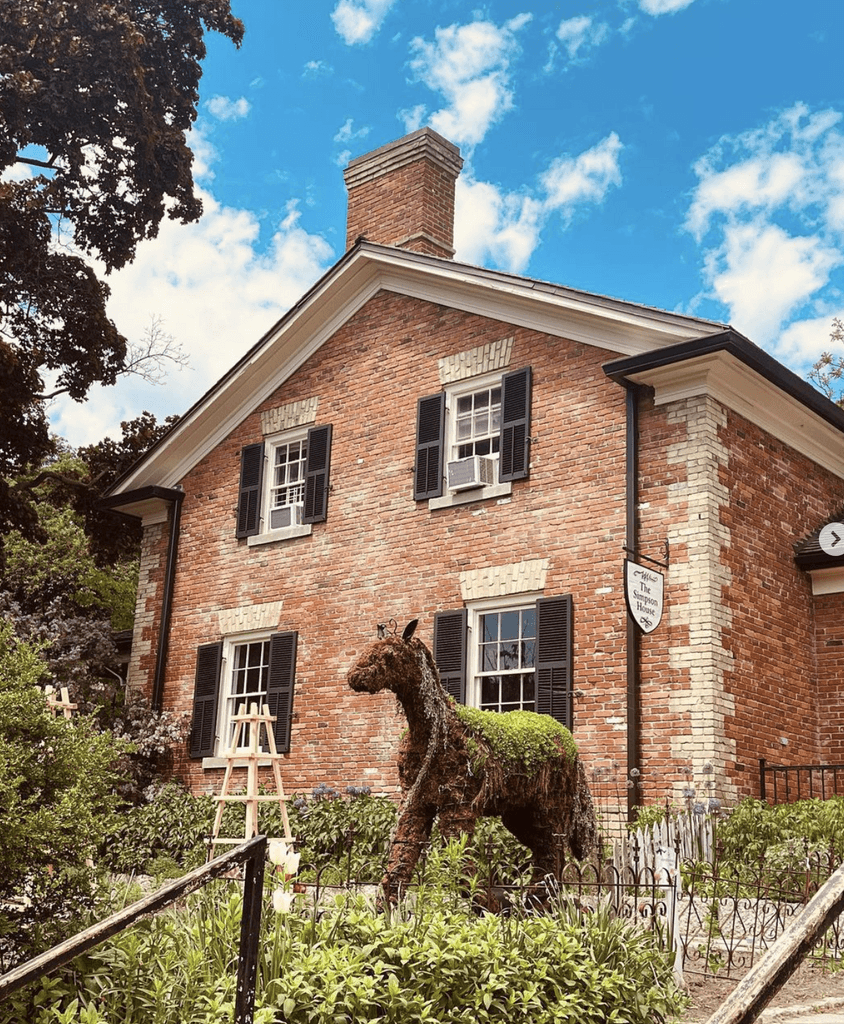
pixel 345 963
pixel 57 791
pixel 753 827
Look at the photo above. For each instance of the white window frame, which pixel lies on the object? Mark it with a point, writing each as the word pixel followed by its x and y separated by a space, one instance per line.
pixel 520 602
pixel 453 392
pixel 225 706
pixel 268 535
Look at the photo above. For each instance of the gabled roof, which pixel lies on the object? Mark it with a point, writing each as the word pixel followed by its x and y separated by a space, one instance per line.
pixel 367 268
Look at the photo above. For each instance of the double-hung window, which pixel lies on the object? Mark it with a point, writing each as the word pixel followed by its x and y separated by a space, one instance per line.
pixel 504 676
pixel 472 439
pixel 509 656
pixel 284 485
pixel 286 491
pixel 237 672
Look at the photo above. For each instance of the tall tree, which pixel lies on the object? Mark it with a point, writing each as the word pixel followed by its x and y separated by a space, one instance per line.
pixel 96 98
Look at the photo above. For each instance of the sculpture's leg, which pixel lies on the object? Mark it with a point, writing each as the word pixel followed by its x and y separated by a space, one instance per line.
pixel 413 830
pixel 534 829
pixel 457 822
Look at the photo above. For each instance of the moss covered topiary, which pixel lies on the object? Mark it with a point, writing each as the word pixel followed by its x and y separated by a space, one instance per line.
pixel 519 737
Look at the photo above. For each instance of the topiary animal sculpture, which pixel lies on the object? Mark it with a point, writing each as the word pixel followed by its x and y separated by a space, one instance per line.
pixel 458 764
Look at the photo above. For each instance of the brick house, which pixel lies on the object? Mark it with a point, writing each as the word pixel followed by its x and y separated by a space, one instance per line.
pixel 418 438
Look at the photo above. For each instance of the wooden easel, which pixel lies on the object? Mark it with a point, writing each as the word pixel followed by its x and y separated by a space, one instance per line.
pixel 253 722
pixel 55 705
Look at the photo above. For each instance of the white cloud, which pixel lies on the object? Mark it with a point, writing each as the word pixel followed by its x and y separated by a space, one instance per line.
pixel 803 342
pixel 469 65
pixel 584 178
pixel 225 109
pixel 581 33
pixel 204 154
pixel 217 292
pixel 314 68
pixel 769 213
pixel 765 275
pixel 347 132
pixel 505 228
pixel 657 7
pixel 357 21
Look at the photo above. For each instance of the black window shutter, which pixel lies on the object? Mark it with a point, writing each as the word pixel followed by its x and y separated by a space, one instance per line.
pixel 514 463
pixel 205 699
pixel 450 651
pixel 249 499
pixel 554 658
pixel 430 432
pixel 317 468
pixel 280 686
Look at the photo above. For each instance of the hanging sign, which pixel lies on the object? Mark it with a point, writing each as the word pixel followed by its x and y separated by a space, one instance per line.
pixel 643 591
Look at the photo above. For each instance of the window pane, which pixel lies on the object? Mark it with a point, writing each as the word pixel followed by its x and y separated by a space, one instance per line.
pixel 529 623
pixel 528 689
pixel 489 690
pixel 509 625
pixel 509 656
pixel 489 661
pixel 489 628
pixel 511 689
pixel 482 447
pixel 528 653
pixel 464 405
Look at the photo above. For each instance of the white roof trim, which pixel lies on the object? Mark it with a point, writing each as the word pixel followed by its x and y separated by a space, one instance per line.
pixel 827 581
pixel 610 324
pixel 753 396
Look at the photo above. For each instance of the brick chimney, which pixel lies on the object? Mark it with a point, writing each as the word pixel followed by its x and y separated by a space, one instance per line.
pixel 403 194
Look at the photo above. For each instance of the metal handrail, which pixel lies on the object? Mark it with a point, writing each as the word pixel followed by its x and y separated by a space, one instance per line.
pixel 251 854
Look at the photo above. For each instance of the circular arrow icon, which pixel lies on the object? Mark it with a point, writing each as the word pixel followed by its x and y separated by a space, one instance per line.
pixel 831 538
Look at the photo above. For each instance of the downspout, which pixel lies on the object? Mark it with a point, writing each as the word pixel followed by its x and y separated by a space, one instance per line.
pixel 634 710
pixel 167 600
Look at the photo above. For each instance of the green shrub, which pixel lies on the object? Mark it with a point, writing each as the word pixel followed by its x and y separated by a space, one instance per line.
pixel 57 792
pixel 437 964
pixel 753 827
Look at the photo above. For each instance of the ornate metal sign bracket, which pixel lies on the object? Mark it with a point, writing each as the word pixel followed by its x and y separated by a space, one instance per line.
pixel 663 550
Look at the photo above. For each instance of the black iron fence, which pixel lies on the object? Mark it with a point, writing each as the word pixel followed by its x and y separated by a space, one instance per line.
pixel 781 784
pixel 250 855
pixel 715 916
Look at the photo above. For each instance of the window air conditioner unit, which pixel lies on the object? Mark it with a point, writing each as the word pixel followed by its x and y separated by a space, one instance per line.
pixel 287 515
pixel 476 471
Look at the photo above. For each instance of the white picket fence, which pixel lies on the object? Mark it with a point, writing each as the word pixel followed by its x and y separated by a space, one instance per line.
pixel 664 845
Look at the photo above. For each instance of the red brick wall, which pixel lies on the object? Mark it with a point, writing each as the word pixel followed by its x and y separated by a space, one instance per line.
pixel 777 497
pixel 829 634
pixel 382 555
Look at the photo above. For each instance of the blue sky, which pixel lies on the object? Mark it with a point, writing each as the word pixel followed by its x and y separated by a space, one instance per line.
pixel 685 154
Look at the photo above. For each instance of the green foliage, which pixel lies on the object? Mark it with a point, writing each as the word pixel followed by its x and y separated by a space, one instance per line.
pixel 338 838
pixel 440 964
pixel 57 789
pixel 753 828
pixel 97 100
pixel 519 737
pixel 646 816
pixel 58 571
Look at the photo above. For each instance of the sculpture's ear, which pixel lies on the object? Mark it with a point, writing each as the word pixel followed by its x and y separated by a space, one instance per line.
pixel 410 629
